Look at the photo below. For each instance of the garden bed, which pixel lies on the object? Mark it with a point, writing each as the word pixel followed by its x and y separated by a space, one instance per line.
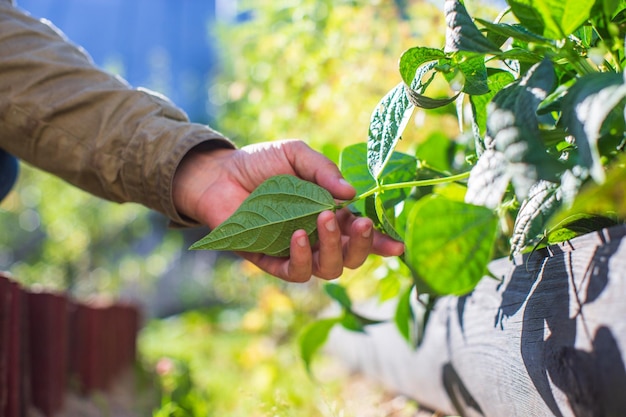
pixel 546 336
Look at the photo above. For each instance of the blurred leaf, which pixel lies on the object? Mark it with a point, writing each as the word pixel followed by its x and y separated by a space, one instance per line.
pixel 461 32
pixel 355 322
pixel 351 322
pixel 338 293
pixel 449 244
pixel 436 151
pixel 452 191
pixel 577 225
pixel 388 287
pixel 403 316
pixel 270 215
pixel 403 218
pixel 606 199
pixel 554 19
pixel 313 337
pixel 585 108
pixel 355 172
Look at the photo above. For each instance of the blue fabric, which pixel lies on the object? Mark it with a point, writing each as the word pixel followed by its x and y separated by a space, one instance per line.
pixel 9 169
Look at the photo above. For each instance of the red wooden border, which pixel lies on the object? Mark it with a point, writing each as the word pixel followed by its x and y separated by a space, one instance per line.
pixel 49 342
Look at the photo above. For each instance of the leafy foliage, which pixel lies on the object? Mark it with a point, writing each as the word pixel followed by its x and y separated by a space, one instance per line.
pixel 545 92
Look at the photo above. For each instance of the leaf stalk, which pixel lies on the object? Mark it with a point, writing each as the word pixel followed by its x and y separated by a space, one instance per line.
pixel 408 184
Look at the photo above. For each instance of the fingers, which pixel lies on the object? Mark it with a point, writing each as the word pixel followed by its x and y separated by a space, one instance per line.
pixel 315 167
pixel 296 268
pixel 359 244
pixel 328 260
pixel 299 267
pixel 345 241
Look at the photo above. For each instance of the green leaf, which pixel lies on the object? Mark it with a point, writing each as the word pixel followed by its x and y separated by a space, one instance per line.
pixel 608 198
pixel 516 31
pixel 355 322
pixel 528 15
pixel 513 129
pixel 475 74
pixel 313 337
pixel 371 212
pixel 514 107
pixel 388 287
pixel 425 102
pixel 579 224
pixel 403 317
pixel 338 293
pixel 269 216
pixel 496 81
pixel 489 180
pixel 384 219
pixel 386 126
pixel 436 151
pixel 353 169
pixel 585 108
pixel 415 92
pixel 449 244
pixel 401 167
pixel 553 19
pixel 461 32
pixel 351 322
pixel 403 218
pixel 412 59
pixel 522 55
pixel 543 201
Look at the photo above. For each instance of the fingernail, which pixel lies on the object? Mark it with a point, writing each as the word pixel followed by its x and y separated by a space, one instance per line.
pixel 301 241
pixel 331 226
pixel 367 233
pixel 344 182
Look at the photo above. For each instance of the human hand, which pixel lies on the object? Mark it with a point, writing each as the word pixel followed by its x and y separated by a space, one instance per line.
pixel 210 185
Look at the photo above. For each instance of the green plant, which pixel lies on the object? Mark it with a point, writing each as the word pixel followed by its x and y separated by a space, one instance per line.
pixel 544 89
pixel 242 360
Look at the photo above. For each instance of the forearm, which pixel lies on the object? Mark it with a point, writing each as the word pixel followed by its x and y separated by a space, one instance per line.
pixel 60 113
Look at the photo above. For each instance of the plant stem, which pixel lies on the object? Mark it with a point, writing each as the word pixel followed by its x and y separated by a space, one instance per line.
pixel 409 184
pixel 579 63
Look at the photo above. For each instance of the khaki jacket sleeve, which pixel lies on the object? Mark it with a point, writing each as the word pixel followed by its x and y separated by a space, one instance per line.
pixel 62 114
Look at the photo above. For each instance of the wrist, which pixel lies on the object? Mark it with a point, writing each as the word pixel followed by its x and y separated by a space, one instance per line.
pixel 195 173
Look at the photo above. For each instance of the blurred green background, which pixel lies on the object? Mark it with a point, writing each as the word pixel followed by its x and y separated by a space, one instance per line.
pixel 220 336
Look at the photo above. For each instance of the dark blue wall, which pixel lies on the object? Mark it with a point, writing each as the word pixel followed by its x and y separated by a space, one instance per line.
pixel 164 45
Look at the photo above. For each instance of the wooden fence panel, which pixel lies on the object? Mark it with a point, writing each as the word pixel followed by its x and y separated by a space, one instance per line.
pixel 13 383
pixel 48 337
pixel 49 343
